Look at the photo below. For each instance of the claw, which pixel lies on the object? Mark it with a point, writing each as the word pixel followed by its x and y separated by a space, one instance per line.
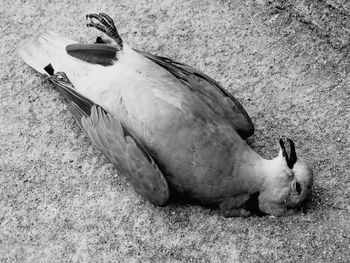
pixel 102 18
pixel 99 27
pixel 92 16
pixel 291 159
pixel 293 156
pixel 107 17
pixel 105 24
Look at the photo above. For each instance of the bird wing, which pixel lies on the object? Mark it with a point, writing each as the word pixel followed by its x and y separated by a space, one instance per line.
pixel 118 144
pixel 125 151
pixel 211 92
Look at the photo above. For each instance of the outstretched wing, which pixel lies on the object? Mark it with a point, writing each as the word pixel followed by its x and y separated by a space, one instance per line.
pixel 117 143
pixel 211 92
pixel 125 151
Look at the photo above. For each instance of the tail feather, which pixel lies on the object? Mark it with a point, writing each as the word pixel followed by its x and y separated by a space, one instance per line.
pixel 31 56
pixel 49 52
pixel 50 49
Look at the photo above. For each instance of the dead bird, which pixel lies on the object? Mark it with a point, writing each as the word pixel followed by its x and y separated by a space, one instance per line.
pixel 169 128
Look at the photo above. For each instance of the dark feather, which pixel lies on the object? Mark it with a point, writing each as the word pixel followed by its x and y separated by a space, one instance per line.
pixel 62 83
pixel 102 54
pixel 128 153
pixel 293 155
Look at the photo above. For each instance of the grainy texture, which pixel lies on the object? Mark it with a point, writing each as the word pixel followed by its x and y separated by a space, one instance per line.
pixel 61 201
pixel 330 19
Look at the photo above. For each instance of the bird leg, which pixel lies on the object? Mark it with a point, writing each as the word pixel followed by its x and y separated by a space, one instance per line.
pixel 105 24
pixel 102 40
pixel 234 206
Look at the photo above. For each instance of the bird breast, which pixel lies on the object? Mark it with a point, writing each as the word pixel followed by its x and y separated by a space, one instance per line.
pixel 193 147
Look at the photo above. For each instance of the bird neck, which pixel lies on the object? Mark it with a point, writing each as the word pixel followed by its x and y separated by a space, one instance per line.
pixel 256 170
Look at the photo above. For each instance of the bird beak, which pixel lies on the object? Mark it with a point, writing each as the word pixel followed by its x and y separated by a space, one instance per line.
pixel 292 158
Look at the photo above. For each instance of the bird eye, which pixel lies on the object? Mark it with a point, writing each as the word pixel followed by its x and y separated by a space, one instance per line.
pixel 297 187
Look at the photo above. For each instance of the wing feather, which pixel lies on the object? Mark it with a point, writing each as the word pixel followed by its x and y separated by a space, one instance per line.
pixel 128 153
pixel 212 93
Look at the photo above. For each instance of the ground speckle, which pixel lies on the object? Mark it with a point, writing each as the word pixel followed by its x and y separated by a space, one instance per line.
pixel 60 199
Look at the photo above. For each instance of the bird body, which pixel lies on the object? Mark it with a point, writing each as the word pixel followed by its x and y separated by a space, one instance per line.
pixel 170 128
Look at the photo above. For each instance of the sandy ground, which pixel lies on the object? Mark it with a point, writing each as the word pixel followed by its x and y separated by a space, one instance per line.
pixel 61 201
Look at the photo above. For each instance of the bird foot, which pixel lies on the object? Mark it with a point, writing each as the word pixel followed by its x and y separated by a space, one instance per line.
pixel 105 24
pixel 234 206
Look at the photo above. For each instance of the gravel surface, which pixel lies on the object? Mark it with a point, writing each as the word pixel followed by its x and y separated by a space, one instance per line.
pixel 60 199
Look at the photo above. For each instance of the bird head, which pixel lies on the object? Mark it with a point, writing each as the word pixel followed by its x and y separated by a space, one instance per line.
pixel 287 184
